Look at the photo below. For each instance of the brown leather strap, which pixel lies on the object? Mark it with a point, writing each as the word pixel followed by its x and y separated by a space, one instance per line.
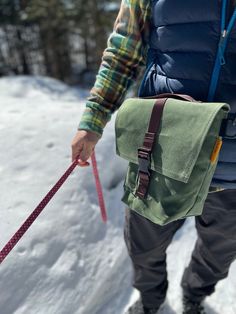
pixel 144 152
pixel 170 95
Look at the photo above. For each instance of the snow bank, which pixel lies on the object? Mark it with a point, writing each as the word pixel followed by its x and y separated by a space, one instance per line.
pixel 69 262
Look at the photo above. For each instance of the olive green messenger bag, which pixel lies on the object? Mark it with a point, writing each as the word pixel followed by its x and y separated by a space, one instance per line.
pixel 172 143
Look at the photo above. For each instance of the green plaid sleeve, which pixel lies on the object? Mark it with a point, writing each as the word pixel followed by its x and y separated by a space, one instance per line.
pixel 125 53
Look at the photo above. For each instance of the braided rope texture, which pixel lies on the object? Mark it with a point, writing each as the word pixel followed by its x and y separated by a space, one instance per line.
pixel 29 221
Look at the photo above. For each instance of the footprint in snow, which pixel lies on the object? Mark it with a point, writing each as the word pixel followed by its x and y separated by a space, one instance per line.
pixel 50 145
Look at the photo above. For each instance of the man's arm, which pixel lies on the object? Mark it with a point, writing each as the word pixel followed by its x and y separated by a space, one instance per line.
pixel 125 52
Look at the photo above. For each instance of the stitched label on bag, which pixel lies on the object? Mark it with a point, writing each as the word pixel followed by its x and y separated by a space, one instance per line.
pixel 216 150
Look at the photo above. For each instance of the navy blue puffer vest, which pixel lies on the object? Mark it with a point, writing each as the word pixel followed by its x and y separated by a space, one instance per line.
pixel 193 51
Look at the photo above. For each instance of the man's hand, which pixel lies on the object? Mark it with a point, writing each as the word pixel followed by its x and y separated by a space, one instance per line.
pixel 83 145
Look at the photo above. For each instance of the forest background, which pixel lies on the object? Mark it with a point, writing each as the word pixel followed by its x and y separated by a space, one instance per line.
pixel 63 39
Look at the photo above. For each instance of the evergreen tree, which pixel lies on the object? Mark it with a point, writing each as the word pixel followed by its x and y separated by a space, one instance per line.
pixel 53 37
pixel 50 16
pixel 94 21
pixel 13 26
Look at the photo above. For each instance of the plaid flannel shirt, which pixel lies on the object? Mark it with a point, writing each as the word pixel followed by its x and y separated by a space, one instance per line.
pixel 126 51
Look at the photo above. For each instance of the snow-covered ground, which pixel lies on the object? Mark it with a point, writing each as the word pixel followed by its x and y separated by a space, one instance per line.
pixel 69 262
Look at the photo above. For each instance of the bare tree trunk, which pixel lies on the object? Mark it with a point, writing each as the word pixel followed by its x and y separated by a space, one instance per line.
pixel 56 53
pixel 21 52
pixel 11 61
pixel 86 53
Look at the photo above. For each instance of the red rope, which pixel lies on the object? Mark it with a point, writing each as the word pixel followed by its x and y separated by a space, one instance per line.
pixel 25 226
pixel 99 188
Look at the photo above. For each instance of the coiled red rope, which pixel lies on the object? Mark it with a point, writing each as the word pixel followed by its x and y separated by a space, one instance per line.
pixel 33 216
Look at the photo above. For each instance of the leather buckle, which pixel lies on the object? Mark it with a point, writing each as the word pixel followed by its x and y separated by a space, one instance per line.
pixel 144 160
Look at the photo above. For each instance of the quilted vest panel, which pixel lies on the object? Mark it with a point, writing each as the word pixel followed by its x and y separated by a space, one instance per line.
pixel 183 46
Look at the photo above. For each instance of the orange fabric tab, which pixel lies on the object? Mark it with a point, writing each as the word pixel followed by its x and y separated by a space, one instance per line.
pixel 216 150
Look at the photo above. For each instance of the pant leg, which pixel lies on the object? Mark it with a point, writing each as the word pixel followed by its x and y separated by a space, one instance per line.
pixel 147 243
pixel 215 248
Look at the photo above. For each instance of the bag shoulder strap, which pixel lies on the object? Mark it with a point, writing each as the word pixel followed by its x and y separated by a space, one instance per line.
pixel 170 95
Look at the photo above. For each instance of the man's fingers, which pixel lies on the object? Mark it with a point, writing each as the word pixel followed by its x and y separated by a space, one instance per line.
pixel 83 164
pixel 83 145
pixel 86 152
pixel 76 151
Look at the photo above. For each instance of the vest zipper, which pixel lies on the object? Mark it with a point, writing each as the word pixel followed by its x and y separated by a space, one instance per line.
pixel 220 57
pixel 221 45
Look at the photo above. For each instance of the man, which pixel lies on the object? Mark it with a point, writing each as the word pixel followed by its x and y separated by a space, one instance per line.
pixel 189 47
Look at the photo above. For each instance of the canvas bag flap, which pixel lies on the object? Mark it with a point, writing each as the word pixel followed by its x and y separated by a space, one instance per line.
pixel 184 127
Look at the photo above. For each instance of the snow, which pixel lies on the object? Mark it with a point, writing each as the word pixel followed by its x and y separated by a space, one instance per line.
pixel 69 262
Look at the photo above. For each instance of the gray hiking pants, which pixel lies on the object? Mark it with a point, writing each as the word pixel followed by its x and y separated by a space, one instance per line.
pixel 214 251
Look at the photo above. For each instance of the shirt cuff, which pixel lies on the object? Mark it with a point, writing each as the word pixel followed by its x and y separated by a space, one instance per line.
pixel 93 120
